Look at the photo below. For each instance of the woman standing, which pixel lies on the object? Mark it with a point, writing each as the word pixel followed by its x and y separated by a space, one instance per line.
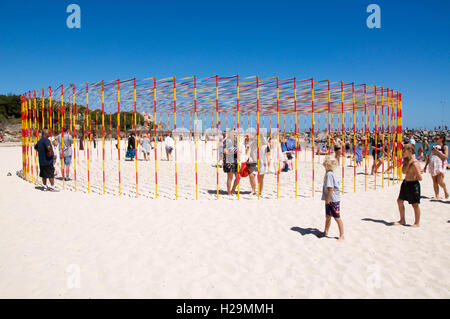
pixel 145 142
pixel 264 155
pixel 337 143
pixel 377 153
pixel 230 161
pixel 438 164
pixel 131 149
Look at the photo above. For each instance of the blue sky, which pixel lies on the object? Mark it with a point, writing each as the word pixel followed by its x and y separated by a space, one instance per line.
pixel 322 39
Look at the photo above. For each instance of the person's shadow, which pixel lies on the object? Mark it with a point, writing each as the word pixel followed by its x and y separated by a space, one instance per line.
pixel 223 192
pixel 379 221
pixel 308 231
pixel 439 201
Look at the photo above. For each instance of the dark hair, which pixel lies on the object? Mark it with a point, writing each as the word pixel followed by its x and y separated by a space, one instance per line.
pixel 442 136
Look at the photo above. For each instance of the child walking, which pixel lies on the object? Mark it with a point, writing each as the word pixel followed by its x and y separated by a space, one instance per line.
pixel 410 188
pixel 331 195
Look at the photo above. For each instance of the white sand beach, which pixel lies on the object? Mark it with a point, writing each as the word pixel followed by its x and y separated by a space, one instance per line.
pixel 78 245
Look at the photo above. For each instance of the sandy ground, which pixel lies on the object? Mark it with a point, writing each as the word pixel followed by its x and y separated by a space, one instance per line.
pixel 79 245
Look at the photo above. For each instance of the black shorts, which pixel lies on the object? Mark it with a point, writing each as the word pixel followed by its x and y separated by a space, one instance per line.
pixel 230 168
pixel 252 168
pixel 410 191
pixel 289 155
pixel 47 171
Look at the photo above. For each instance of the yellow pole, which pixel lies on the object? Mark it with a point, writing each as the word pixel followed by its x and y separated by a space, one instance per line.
pixel 312 123
pixel 35 138
pixel 238 133
pixel 135 140
pixel 175 135
pixel 74 137
pixel 295 134
pixel 343 135
pixel 103 135
pixel 376 136
pixel 88 137
pixel 278 138
pixel 195 139
pixel 389 136
pixel 354 139
pixel 30 140
pixel 399 134
pixel 118 135
pixel 62 137
pixel 366 136
pixel 257 131
pixel 154 137
pixel 383 140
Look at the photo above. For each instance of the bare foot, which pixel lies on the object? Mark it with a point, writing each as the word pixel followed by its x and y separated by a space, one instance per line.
pixel 400 222
pixel 341 239
pixel 324 234
pixel 446 196
pixel 415 225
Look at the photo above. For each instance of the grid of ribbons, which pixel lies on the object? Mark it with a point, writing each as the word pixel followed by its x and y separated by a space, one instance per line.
pixel 225 101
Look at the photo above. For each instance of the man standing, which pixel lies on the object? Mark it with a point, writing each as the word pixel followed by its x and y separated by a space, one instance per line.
pixel 65 153
pixel 45 153
pixel 411 139
pixel 170 144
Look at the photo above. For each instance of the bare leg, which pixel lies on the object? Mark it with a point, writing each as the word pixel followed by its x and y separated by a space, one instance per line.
pixel 440 182
pixel 251 177
pixel 416 215
pixel 236 182
pixel 261 183
pixel 327 226
pixel 229 181
pixel 341 228
pixel 435 187
pixel 378 165
pixel 52 181
pixel 401 209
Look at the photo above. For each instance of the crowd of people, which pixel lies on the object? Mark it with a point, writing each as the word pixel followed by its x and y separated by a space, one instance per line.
pixel 274 155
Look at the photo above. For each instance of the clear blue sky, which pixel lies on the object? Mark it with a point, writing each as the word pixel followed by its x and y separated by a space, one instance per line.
pixel 320 39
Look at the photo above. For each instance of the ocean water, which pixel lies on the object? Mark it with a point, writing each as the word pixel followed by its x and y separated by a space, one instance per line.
pixel 418 145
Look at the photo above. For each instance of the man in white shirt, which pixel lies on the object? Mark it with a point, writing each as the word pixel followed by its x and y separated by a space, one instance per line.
pixel 66 153
pixel 411 138
pixel 170 144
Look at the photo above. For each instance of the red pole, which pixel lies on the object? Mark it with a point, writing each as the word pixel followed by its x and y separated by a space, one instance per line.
pixel 154 137
pixel 257 131
pixel 118 134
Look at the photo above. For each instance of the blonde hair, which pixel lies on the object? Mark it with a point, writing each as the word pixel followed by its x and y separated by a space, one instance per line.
pixel 410 147
pixel 330 163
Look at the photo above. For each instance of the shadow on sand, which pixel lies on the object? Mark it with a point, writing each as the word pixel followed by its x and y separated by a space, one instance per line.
pixel 223 192
pixel 308 231
pixel 440 201
pixel 379 221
